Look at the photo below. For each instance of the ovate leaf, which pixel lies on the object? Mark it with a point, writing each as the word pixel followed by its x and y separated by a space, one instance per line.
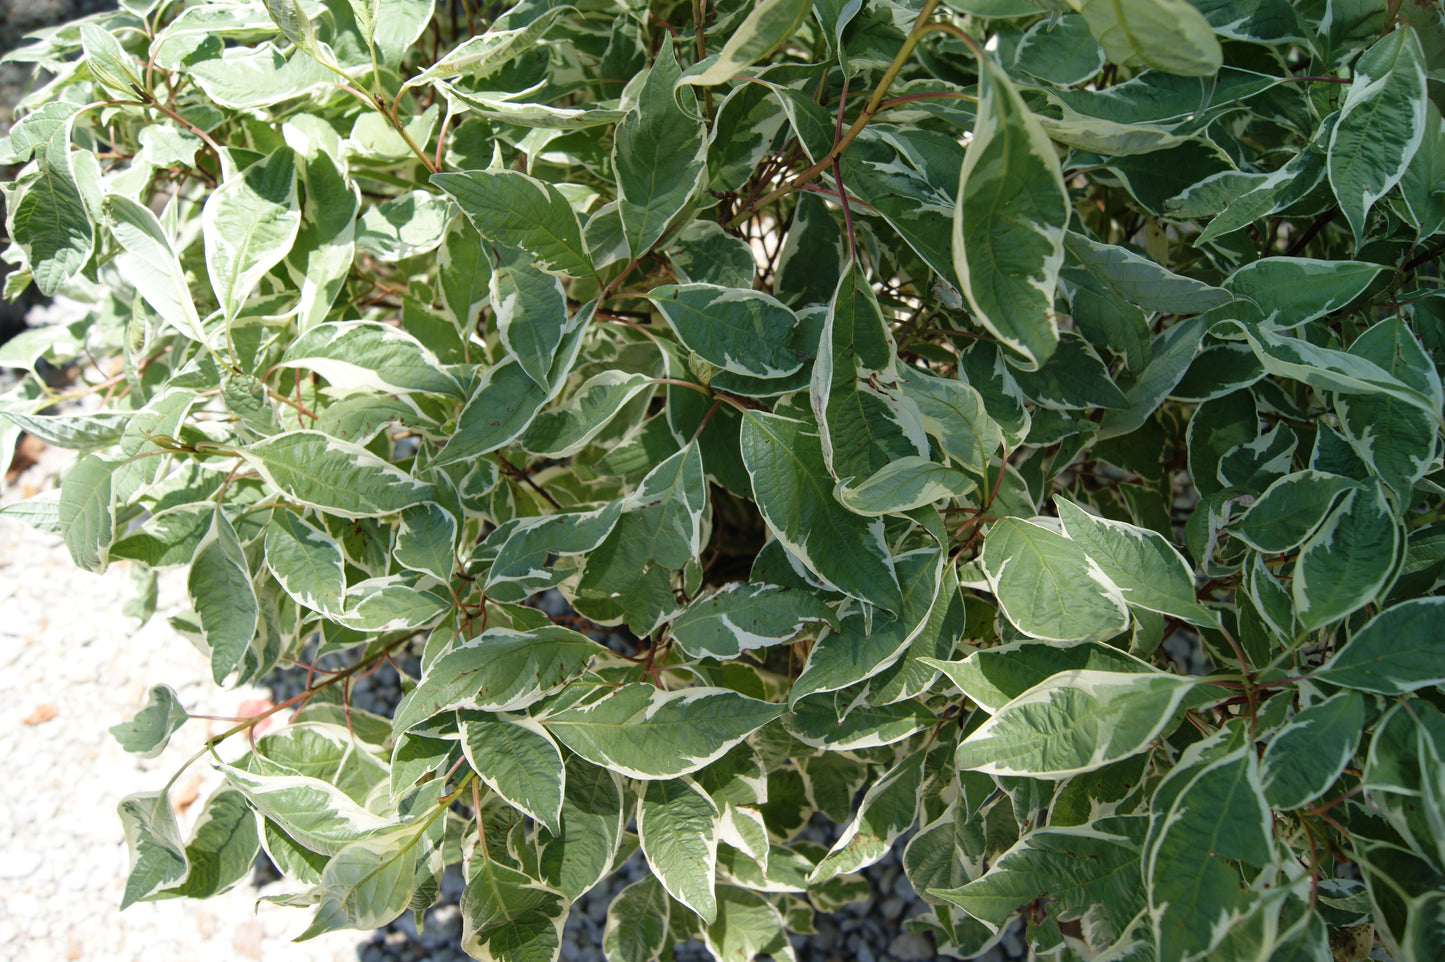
pixel 743 617
pixel 219 585
pixel 508 917
pixel 518 760
pixel 512 209
pixel 1008 226
pixel 647 733
pixel 1399 650
pixel 1305 757
pixel 1075 721
pixel 335 476
pixel 249 224
pixel 1168 35
pixel 1347 561
pixel 767 25
pixel 1382 123
pixel 660 153
pixel 499 670
pixel 790 481
pixel 150 730
pixel 677 823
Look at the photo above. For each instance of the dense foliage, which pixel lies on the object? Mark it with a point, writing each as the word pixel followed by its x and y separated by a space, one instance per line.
pixel 901 376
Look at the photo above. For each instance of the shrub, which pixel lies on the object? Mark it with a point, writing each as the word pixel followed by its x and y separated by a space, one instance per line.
pixel 902 377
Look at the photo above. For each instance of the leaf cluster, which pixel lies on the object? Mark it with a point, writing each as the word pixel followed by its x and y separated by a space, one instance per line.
pixel 1014 422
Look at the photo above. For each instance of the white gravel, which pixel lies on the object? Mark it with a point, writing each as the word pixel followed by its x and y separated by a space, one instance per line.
pixel 72 665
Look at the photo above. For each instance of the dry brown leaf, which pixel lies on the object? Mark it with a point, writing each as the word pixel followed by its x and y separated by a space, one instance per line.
pixel 41 714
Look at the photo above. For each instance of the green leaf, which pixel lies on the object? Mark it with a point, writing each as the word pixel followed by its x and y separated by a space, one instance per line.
pixel 1305 757
pixel 1290 291
pixel 767 25
pixel 1078 867
pixel 1397 651
pixel 220 589
pixel 86 511
pixel 520 568
pixel 151 729
pixel 499 670
pixel 249 224
pixel 365 356
pixel 1008 225
pixel 660 531
pixel 334 476
pixel 747 925
pixel 637 923
pixel 592 821
pixel 992 677
pixel 745 617
pixel 743 331
pixel 508 917
pixel 861 647
pixel 1140 281
pixel 677 824
pixel 150 265
pixel 157 856
pixel 314 813
pixel 794 492
pixel 814 721
pixel 365 885
pixel 1047 585
pixel 519 761
pixel 1290 510
pixel 1382 124
pixel 1147 569
pixel 1168 35
pixel 222 848
pixel 644 732
pixel 1218 815
pixel 426 540
pixel 50 220
pixel 1349 558
pixel 864 419
pixel 1075 721
pixel 1331 370
pixel 306 561
pixel 515 210
pixel 905 484
pixel 659 154
pixel 889 809
pixel 481 54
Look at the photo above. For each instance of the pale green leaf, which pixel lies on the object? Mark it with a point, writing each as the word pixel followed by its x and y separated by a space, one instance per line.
pixel 499 670
pixel 335 476
pixel 1399 650
pixel 767 25
pixel 1168 35
pixel 647 733
pixel 677 823
pixel 148 732
pixel 1047 585
pixel 1008 225
pixel 248 225
pixel 1382 124
pixel 369 357
pixel 220 589
pixel 1075 721
pixel 794 491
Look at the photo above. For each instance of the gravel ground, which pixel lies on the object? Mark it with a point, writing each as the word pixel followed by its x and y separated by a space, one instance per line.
pixel 71 665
